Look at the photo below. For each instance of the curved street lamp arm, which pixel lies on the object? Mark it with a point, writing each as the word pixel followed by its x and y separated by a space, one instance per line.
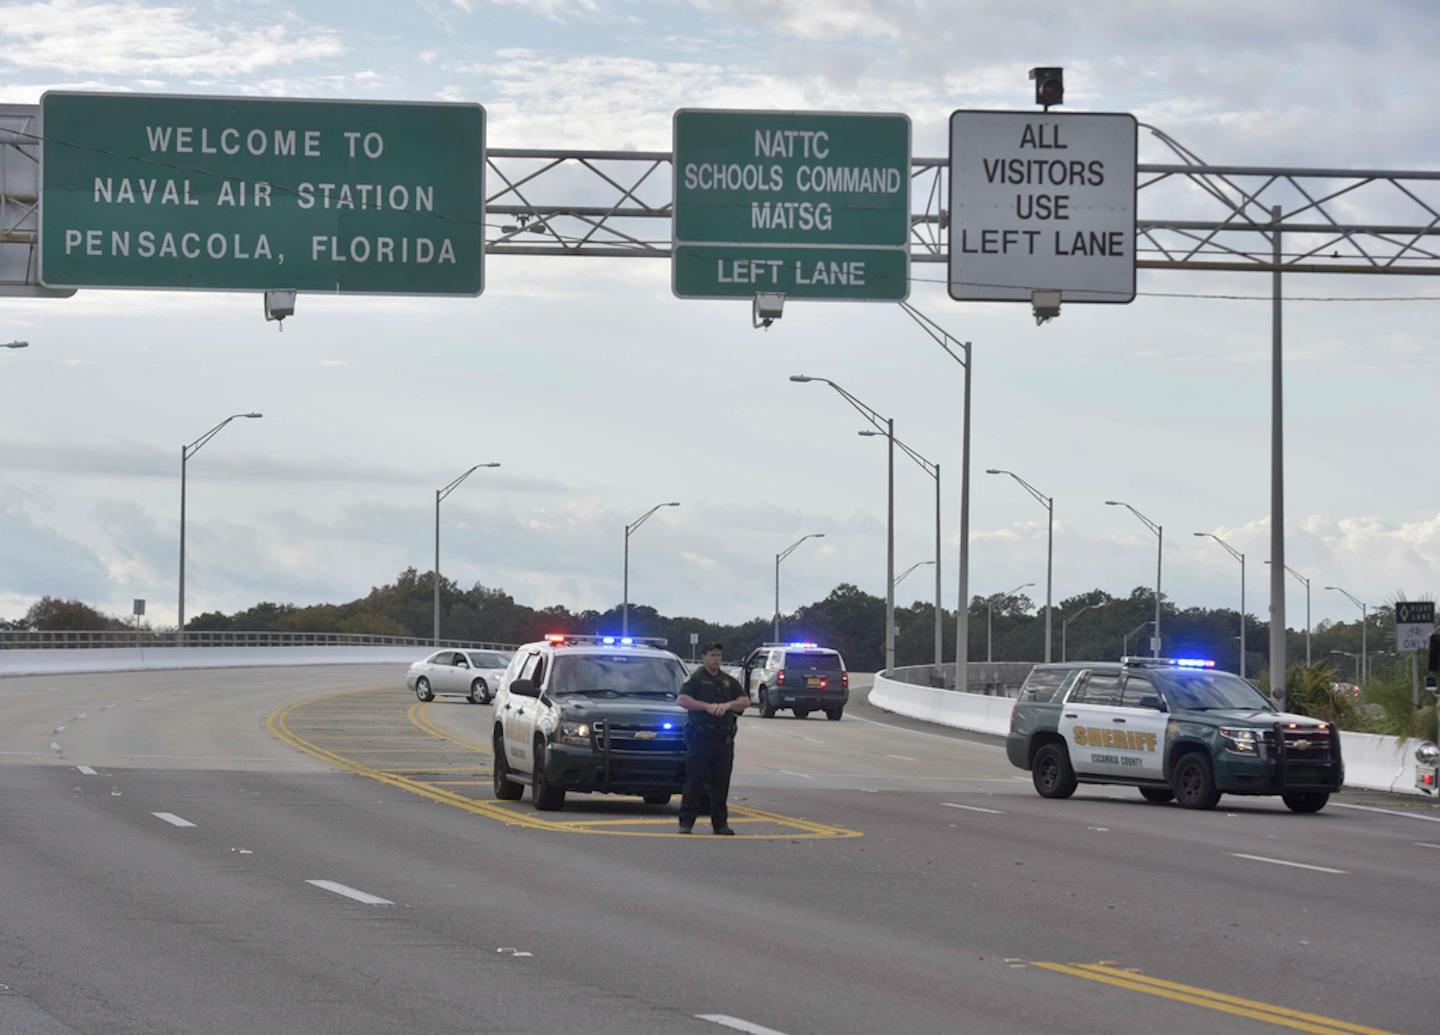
pixel 634 525
pixel 925 465
pixel 1232 551
pixel 1048 502
pixel 941 336
pixel 195 447
pixel 795 545
pixel 1154 528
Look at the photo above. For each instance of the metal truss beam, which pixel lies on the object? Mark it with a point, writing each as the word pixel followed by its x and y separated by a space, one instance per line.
pixel 617 204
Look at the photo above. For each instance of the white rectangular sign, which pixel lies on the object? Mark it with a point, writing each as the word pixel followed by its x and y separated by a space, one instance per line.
pixel 1040 200
pixel 1414 624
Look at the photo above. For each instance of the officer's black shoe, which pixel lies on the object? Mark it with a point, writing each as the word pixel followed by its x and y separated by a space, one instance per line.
pixel 727 831
pixel 687 828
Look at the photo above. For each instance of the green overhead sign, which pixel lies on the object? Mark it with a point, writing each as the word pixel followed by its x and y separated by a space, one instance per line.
pixel 240 194
pixel 809 204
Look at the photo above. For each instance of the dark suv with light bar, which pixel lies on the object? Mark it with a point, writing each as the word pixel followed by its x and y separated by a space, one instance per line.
pixel 593 714
pixel 803 677
pixel 1175 728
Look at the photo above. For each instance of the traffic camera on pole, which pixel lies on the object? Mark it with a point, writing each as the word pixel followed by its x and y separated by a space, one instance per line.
pixel 1049 86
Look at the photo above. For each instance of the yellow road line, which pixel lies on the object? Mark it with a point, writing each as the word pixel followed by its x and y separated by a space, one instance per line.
pixel 1219 1001
pixel 278 724
pixel 419 715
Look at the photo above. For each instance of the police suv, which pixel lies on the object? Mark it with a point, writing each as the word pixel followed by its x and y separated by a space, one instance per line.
pixel 590 713
pixel 1175 728
pixel 803 677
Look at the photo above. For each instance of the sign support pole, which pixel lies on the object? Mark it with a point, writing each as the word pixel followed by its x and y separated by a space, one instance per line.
pixel 1277 476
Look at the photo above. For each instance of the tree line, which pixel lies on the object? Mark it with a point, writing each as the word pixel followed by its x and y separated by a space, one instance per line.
pixel 1009 628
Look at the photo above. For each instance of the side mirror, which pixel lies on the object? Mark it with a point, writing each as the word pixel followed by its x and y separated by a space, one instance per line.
pixel 524 688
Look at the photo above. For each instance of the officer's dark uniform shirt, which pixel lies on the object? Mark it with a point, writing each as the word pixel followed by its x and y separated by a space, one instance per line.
pixel 716 689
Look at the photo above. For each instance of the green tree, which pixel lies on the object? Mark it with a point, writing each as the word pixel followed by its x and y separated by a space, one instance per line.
pixel 52 613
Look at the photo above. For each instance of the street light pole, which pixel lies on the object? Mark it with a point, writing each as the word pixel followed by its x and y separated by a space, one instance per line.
pixel 886 425
pixel 1306 582
pixel 962 353
pixel 990 619
pixel 1159 531
pixel 780 557
pixel 186 452
pixel 933 470
pixel 1125 643
pixel 1364 622
pixel 1065 629
pixel 1048 502
pixel 1241 558
pixel 630 530
pixel 440 494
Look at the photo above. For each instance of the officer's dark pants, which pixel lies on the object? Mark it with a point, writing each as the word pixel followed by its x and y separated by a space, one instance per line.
pixel 709 757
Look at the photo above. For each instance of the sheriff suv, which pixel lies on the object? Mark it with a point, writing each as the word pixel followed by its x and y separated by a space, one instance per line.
pixel 1175 728
pixel 595 714
pixel 803 677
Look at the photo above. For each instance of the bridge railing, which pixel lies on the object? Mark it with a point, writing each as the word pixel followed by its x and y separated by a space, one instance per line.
pixel 991 678
pixel 74 639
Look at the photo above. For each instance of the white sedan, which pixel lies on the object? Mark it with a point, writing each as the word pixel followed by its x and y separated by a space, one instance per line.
pixel 473 674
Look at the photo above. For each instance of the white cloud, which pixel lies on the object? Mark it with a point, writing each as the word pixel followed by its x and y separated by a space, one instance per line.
pixel 125 38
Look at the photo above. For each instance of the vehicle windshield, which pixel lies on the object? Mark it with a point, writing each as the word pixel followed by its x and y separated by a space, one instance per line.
pixel 1204 691
pixel 488 659
pixel 811 662
pixel 628 674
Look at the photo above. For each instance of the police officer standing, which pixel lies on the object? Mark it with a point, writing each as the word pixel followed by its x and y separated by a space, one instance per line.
pixel 713 701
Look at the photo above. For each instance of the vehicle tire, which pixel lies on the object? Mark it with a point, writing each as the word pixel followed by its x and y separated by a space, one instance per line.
pixel 802 713
pixel 766 711
pixel 1194 781
pixel 1052 773
pixel 1305 801
pixel 1159 795
pixel 479 692
pixel 422 689
pixel 506 789
pixel 833 714
pixel 657 799
pixel 545 797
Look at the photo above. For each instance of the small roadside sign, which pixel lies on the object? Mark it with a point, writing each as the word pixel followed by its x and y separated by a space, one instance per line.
pixel 1414 624
pixel 139 607
pixel 807 204
pixel 1042 201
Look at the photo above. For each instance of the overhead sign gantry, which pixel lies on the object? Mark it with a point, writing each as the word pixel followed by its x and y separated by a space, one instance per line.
pixel 240 194
pixel 811 205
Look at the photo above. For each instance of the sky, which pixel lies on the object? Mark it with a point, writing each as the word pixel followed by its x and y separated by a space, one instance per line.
pixel 602 394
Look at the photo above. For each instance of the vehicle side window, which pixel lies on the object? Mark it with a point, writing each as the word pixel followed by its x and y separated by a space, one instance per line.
pixel 528 667
pixel 539 676
pixel 445 657
pixel 1140 693
pixel 1041 685
pixel 459 658
pixel 1102 688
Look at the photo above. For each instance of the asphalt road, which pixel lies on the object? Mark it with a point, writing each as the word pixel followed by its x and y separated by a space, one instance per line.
pixel 311 850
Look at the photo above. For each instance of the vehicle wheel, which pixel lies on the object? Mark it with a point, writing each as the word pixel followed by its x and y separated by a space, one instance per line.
pixel 1157 794
pixel 1052 773
pixel 802 713
pixel 657 799
pixel 1194 782
pixel 422 689
pixel 479 692
pixel 766 711
pixel 833 714
pixel 506 789
pixel 545 797
pixel 1307 801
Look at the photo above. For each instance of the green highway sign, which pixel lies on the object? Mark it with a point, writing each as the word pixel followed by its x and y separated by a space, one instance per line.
pixel 241 194
pixel 739 271
pixel 810 204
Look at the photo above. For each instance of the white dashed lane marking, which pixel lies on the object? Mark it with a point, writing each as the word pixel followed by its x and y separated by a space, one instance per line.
pixel 86 770
pixel 972 808
pixel 172 819
pixel 903 758
pixel 351 893
pixel 726 1021
pixel 1384 812
pixel 803 776
pixel 1286 862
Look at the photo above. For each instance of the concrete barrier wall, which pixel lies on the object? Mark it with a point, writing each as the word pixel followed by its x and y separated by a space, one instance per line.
pixel 129 659
pixel 1372 762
